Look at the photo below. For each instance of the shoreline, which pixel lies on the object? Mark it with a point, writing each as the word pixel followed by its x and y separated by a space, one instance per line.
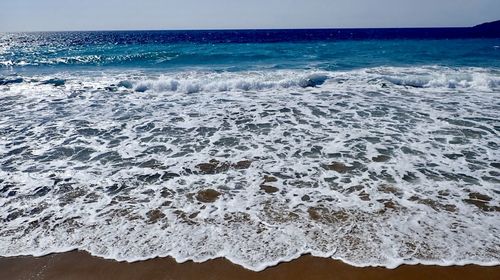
pixel 81 265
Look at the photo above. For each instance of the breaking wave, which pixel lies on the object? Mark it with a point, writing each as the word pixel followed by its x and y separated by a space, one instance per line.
pixel 440 78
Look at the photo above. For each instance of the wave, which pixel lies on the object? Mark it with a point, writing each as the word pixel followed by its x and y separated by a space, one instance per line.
pixel 435 77
pixel 253 81
pixel 423 78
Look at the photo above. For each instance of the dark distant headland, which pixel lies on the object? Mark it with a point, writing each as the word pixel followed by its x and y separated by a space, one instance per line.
pixel 491 27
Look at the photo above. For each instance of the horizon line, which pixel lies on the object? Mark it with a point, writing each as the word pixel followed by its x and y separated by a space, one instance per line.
pixel 244 29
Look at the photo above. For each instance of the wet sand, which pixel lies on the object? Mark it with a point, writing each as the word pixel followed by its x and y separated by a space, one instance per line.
pixel 80 265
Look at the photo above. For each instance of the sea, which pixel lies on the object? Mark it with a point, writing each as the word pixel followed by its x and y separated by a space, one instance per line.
pixel 376 147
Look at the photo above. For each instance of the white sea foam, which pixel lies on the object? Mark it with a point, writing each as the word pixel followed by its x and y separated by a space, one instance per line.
pixel 429 77
pixel 379 166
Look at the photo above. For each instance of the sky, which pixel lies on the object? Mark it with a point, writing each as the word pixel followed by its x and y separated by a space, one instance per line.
pixel 59 15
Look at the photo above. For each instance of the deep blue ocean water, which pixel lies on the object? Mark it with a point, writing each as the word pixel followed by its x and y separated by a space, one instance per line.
pixel 329 50
pixel 372 146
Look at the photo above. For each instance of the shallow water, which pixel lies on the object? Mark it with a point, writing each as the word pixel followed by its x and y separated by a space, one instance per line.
pixel 374 164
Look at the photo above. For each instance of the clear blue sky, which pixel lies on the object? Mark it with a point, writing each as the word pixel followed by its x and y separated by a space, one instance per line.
pixel 36 15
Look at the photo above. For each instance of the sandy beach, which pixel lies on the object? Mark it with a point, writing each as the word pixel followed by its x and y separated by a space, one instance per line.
pixel 80 265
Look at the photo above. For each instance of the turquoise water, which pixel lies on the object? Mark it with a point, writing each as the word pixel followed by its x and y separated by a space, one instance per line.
pixel 67 51
pixel 375 147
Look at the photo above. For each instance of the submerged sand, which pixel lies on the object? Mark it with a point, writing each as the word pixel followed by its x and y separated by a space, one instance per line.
pixel 80 265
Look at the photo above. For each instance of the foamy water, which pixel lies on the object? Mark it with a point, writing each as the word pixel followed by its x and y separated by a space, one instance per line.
pixel 375 166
